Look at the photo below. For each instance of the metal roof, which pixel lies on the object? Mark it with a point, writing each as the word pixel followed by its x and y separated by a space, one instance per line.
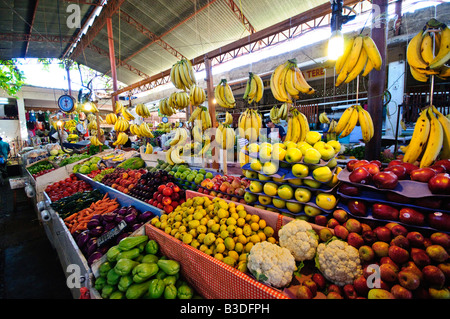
pixel 143 30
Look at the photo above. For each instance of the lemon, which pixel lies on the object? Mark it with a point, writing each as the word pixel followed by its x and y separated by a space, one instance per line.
pixel 209 238
pixel 204 221
pixel 240 208
pixel 268 231
pixel 234 215
pixel 254 226
pixel 238 231
pixel 255 239
pixel 239 247
pixel 255 218
pixel 222 213
pixel 218 256
pixel 220 248
pixel 198 215
pixel 231 221
pixel 224 234
pixel 247 230
pixel 201 237
pixel 242 239
pixel 243 257
pixel 229 261
pixel 210 223
pixel 262 235
pixel 223 221
pixel 187 239
pixel 215 228
pixel 168 229
pixel 242 213
pixel 248 247
pixel 262 223
pixel 201 229
pixel 233 254
pixel 240 222
pixel 223 227
pixel 272 240
pixel 218 241
pixel 229 243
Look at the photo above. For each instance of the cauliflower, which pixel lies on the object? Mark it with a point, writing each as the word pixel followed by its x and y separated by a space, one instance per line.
pixel 271 264
pixel 300 239
pixel 339 262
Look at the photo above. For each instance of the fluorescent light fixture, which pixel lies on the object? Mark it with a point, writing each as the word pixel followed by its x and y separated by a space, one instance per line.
pixel 335 45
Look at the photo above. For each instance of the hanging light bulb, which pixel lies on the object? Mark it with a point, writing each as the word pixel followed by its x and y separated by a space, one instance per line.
pixel 335 45
pixel 336 42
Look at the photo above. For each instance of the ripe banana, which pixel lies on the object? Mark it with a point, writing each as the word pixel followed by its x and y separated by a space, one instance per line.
pixel 323 118
pixel 298 126
pixel 94 141
pixel 372 52
pixel 445 123
pixel 182 75
pixel 228 119
pixel 127 114
pixel 359 67
pixel 118 107
pixel 121 125
pixel 224 95
pixel 197 95
pixel 348 44
pixel 444 49
pixel 148 148
pixel 122 138
pixel 254 88
pixel 142 110
pixel 111 118
pixel 435 140
pixel 365 121
pixel 344 119
pixel 351 123
pixel 249 125
pixel 419 138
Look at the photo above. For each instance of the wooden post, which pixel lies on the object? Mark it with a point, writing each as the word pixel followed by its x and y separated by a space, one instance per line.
pixel 211 107
pixel 112 59
pixel 377 80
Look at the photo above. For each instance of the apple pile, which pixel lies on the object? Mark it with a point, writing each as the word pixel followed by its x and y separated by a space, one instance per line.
pixel 123 179
pixel 168 197
pixel 436 176
pixel 66 187
pixel 411 265
pixel 225 186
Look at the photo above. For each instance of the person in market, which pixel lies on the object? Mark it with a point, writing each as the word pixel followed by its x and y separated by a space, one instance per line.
pixel 275 131
pixel 5 150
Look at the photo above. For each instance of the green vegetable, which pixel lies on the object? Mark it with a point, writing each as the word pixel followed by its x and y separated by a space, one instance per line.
pixel 113 253
pixel 100 282
pixel 129 254
pixel 170 267
pixel 104 268
pixel 144 271
pixel 170 280
pixel 125 282
pixel 156 289
pixel 107 291
pixel 112 278
pixel 131 242
pixel 149 259
pixel 151 247
pixel 141 247
pixel 170 292
pixel 185 292
pixel 124 266
pixel 132 163
pixel 139 258
pixel 117 295
pixel 160 274
pixel 137 290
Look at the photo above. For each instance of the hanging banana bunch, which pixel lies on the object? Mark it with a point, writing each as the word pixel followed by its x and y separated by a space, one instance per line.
pixel 254 89
pixel 423 59
pixel 298 126
pixel 94 141
pixel 92 125
pixel 142 110
pixel 145 130
pixel 278 114
pixel 249 125
pixel 228 119
pixel 331 134
pixel 353 115
pixel 118 107
pixel 121 125
pixel 178 100
pixel 201 114
pixel 287 82
pixel 181 137
pixel 430 139
pixel 134 130
pixel 165 108
pixel 224 95
pixel 225 137
pixel 122 138
pixel 127 114
pixel 323 118
pixel 111 118
pixel 182 75
pixel 90 107
pixel 197 95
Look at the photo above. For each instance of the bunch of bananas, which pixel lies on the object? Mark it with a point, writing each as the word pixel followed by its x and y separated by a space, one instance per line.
pixel 145 131
pixel 428 51
pixel 94 132
pixel 118 107
pixel 225 137
pixel 360 55
pixel 287 82
pixel 92 125
pixel 323 118
pixel 122 138
pixel 298 126
pixel 201 114
pixel 228 119
pixel 111 118
pixel 197 95
pixel 95 141
pixel 331 134
pixel 90 107
pixel 182 75
pixel 148 149
pixel 199 139
pixel 254 89
pixel 165 108
pixel 173 155
pixel 121 125
pixel 224 95
pixel 70 125
pixel 165 127
pixel 142 110
pixel 249 125
pixel 180 138
pixel 127 114
pixel 351 116
pixel 430 139
pixel 279 113
pixel 178 100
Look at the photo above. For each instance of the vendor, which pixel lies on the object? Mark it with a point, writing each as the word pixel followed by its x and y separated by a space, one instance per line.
pixel 275 132
pixel 5 149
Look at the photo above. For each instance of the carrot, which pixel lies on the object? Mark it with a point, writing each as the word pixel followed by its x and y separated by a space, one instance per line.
pixel 71 217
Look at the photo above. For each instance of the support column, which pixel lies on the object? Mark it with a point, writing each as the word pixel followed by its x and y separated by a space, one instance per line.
pixel 112 59
pixel 377 79
pixel 211 109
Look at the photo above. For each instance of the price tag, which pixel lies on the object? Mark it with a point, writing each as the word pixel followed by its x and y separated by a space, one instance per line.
pixel 113 233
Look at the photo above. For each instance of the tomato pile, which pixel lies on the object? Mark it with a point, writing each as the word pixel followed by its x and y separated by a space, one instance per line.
pixel 66 187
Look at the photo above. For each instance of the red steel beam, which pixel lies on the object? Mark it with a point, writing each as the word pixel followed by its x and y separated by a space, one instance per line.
pixel 238 12
pixel 21 37
pixel 31 26
pixel 112 57
pixel 108 10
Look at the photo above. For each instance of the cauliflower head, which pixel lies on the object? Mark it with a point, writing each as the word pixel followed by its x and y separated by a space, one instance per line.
pixel 300 239
pixel 271 264
pixel 339 262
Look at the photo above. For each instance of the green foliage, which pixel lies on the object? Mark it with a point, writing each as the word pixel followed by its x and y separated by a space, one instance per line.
pixel 11 78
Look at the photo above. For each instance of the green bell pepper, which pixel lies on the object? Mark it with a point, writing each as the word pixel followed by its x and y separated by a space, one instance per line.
pixel 142 272
pixel 156 289
pixel 129 254
pixel 112 278
pixel 100 282
pixel 117 295
pixel 151 247
pixel 185 292
pixel 170 292
pixel 125 266
pixel 112 253
pixel 137 290
pixel 107 291
pixel 125 282
pixel 150 259
pixel 170 280
pixel 104 268
pixel 170 267
pixel 130 242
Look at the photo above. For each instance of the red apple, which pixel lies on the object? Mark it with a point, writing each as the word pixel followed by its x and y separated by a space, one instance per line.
pixel 409 167
pixel 394 162
pixel 349 189
pixel 411 216
pixel 445 163
pixel 420 257
pixel 360 175
pixel 398 254
pixel 320 280
pixel 372 168
pixel 410 265
pixel 369 237
pixel 445 268
pixel 341 232
pixel 360 285
pixel 349 292
pixel 401 292
pixel 385 180
pixel 311 285
pixel 437 253
pixel 320 220
pixel 366 253
pixel 332 223
pixel 383 233
pixel 360 163
pixel 440 238
pixel 399 230
pixel 415 239
pixel 334 295
pixel 400 241
pixel 357 207
pixel 350 164
pixel 377 162
pixel 439 168
pixel 304 292
pixel 423 174
pixel 168 209
pixel 398 170
pixel 355 240
pixel 352 225
pixel 440 184
pixel 335 288
pixel 383 211
pixel 381 248
pixel 408 279
pixel 388 272
pixel 166 200
pixel 433 276
pixel 440 221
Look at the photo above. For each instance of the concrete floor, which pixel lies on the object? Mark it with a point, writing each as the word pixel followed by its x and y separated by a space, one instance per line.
pixel 29 265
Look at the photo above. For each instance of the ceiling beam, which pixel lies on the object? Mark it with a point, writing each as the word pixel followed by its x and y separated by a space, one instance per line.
pixel 36 2
pixel 24 37
pixel 240 15
pixel 91 3
pixel 111 7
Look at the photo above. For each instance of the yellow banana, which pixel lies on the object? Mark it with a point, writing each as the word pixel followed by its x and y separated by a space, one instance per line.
pixel 168 157
pixel 304 126
pixel 358 67
pixel 419 76
pixel 289 129
pixel 413 52
pixel 372 52
pixel 342 123
pixel 364 123
pixel 355 52
pixel 296 128
pixel 445 123
pixel 419 138
pixel 351 123
pixel 426 48
pixel 290 80
pixel 260 88
pixel 435 141
pixel 444 49
pixel 368 67
pixel 279 75
pixel 341 60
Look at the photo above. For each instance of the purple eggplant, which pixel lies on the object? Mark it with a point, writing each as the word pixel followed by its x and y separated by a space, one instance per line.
pixel 109 226
pixel 93 223
pixel 136 226
pixel 97 231
pixel 92 249
pixel 118 218
pixel 98 217
pixel 83 239
pixel 145 216
pixel 93 257
pixel 91 241
pixel 122 211
pixel 109 217
pixel 132 210
pixel 130 219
